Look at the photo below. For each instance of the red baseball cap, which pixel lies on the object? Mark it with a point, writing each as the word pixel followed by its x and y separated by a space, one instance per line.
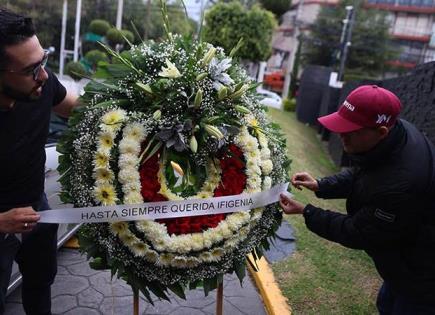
pixel 366 106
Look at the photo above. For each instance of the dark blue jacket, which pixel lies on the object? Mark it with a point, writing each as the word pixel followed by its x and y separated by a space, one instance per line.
pixel 390 203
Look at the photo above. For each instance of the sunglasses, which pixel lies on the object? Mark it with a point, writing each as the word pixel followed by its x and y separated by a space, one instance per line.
pixel 33 71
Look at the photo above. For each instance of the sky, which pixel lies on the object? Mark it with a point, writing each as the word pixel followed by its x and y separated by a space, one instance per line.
pixel 194 8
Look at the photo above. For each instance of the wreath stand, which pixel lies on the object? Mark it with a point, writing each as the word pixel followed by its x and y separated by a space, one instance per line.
pixel 219 300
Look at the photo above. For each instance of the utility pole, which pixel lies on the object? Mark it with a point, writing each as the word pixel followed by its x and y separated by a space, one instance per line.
pixel 119 14
pixel 77 31
pixel 295 43
pixel 62 39
pixel 345 41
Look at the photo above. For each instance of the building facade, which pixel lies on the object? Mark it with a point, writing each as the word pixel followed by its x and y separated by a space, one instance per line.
pixel 412 30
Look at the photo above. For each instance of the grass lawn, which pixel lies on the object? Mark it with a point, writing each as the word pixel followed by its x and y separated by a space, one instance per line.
pixel 321 277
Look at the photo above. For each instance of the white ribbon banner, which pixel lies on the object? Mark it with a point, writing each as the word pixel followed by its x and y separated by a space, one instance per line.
pixel 164 209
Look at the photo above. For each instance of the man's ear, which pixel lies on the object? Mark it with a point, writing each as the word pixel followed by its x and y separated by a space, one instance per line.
pixel 383 131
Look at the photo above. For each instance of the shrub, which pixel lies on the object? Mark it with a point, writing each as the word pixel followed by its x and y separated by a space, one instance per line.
pixel 114 36
pixel 289 104
pixel 75 70
pixel 95 56
pixel 99 27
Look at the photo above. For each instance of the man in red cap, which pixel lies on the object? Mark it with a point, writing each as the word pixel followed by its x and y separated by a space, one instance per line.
pixel 389 194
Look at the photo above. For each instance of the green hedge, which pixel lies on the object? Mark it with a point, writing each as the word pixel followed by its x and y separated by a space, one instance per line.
pixel 289 104
pixel 99 27
pixel 75 70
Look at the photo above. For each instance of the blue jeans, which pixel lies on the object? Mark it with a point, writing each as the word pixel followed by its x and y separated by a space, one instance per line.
pixel 36 258
pixel 391 303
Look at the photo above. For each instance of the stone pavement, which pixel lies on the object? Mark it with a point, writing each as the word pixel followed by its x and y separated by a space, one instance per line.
pixel 79 290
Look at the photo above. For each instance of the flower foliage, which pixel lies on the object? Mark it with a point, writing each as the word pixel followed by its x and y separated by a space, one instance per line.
pixel 170 121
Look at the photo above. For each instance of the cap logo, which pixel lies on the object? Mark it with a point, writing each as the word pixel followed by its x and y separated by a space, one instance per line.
pixel 349 106
pixel 383 118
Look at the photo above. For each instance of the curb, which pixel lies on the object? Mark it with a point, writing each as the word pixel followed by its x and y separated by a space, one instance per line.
pixel 274 302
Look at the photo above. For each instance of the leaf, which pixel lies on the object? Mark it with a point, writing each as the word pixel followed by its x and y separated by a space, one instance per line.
pixel 240 270
pixel 178 290
pixel 153 151
pixel 209 285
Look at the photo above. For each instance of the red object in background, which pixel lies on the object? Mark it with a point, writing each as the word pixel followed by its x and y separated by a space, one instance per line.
pixel 233 182
pixel 274 81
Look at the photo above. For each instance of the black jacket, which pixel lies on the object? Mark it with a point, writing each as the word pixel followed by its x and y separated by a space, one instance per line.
pixel 390 196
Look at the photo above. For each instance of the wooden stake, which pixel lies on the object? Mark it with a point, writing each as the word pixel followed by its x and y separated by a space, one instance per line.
pixel 135 301
pixel 220 299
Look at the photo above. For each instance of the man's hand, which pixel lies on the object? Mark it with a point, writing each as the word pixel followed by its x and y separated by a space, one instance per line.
pixel 290 206
pixel 305 180
pixel 18 220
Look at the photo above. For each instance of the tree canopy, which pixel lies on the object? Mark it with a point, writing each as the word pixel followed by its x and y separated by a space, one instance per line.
pixel 226 23
pixel 370 47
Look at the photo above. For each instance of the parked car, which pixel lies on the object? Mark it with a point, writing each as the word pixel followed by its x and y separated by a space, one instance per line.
pixel 270 99
pixel 52 188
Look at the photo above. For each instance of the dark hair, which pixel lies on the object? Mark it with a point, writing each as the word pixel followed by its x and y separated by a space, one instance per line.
pixel 14 29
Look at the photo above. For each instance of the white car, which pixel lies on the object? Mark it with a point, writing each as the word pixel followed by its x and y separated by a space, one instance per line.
pixel 270 99
pixel 52 188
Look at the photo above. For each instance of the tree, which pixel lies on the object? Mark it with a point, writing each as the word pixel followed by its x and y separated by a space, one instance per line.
pixel 370 47
pixel 226 23
pixel 278 7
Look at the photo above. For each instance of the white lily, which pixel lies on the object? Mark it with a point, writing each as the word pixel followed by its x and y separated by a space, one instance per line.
pixel 170 71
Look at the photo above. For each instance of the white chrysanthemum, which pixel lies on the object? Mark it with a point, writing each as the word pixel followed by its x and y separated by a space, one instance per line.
pixel 139 248
pixel 119 227
pixel 206 257
pixel 135 132
pixel 179 262
pixel 101 159
pixel 265 153
pixel 192 262
pixel 131 187
pixel 105 141
pixel 103 174
pixel 128 175
pixel 217 253
pixel 128 239
pixel 207 238
pixel 165 259
pixel 197 241
pixel 129 146
pixel 105 194
pixel 267 167
pixel 254 182
pixel 151 256
pixel 114 117
pixel 128 160
pixel 133 198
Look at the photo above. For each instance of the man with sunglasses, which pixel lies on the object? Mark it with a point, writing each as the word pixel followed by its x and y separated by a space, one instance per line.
pixel 28 94
pixel 389 194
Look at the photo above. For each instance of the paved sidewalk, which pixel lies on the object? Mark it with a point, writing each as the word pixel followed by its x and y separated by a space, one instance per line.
pixel 79 290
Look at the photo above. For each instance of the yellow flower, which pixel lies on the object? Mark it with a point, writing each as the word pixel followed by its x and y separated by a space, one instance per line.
pixel 105 141
pixel 127 238
pixel 151 256
pixel 101 159
pixel 139 248
pixel 170 71
pixel 103 174
pixel 253 122
pixel 119 227
pixel 113 117
pixel 105 194
pixel 165 259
